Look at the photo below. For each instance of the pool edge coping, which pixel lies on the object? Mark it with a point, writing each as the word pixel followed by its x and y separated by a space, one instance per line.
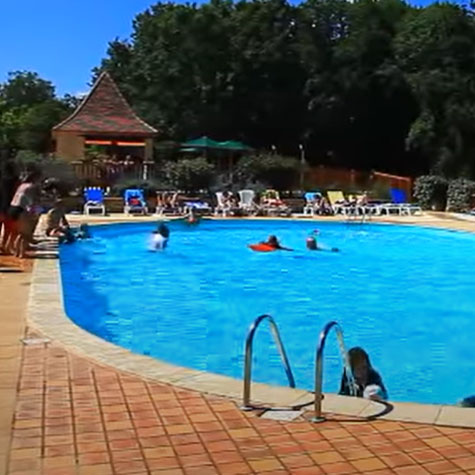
pixel 46 314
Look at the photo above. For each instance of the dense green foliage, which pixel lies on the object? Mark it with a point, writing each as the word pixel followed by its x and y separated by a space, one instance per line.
pixel 430 192
pixel 272 170
pixel 189 174
pixel 460 195
pixel 364 85
pixel 369 84
pixel 28 111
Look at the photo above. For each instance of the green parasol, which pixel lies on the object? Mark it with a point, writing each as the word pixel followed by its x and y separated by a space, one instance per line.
pixel 233 145
pixel 202 142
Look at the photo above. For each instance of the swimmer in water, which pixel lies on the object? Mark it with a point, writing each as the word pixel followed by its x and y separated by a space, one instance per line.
pixel 192 218
pixel 159 238
pixel 273 242
pixel 311 243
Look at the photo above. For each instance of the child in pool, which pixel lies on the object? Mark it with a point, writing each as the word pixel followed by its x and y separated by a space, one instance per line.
pixel 159 238
pixel 368 381
pixel 311 243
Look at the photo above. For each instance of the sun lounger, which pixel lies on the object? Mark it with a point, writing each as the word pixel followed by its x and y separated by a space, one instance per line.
pixel 134 202
pixel 311 204
pixel 399 204
pixel 200 206
pixel 272 204
pixel 337 202
pixel 246 201
pixel 94 201
pixel 222 206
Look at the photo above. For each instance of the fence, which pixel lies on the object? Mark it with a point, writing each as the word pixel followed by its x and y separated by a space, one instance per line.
pixel 326 177
pixel 106 174
pixel 355 180
pixel 320 177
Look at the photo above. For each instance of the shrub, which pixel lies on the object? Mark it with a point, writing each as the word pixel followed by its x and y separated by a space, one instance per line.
pixel 459 195
pixel 189 174
pixel 150 187
pixel 430 191
pixel 274 170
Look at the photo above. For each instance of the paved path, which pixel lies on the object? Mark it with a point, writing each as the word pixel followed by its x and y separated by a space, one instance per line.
pixel 76 417
pixel 69 415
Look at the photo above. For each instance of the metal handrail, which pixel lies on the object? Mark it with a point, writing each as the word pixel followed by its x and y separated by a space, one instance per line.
pixel 248 358
pixel 319 367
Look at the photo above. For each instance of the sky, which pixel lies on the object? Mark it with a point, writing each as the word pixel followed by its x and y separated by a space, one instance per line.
pixel 62 40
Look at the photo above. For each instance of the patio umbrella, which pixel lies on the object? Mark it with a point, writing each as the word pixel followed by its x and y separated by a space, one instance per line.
pixel 202 142
pixel 234 145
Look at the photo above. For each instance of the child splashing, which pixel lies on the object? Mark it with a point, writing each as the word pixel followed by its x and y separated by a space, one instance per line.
pixel 159 238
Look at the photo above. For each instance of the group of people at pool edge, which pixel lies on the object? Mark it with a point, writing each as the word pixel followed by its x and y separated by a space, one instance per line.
pixel 20 211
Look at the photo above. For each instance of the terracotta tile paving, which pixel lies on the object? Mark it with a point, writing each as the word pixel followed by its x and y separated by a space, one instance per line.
pixel 73 416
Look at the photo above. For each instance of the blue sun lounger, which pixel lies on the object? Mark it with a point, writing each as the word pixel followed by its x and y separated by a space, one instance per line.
pixel 94 201
pixel 134 202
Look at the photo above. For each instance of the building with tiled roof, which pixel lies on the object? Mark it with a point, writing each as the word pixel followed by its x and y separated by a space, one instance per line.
pixel 104 118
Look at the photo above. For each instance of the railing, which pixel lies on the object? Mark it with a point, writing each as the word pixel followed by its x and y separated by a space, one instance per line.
pixel 319 367
pixel 107 173
pixel 248 358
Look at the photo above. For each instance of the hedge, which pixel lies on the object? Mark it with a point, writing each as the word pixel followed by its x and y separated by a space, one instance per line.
pixel 430 192
pixel 459 195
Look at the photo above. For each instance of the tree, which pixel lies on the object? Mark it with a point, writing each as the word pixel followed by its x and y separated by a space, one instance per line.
pixel 367 84
pixel 435 48
pixel 24 89
pixel 28 111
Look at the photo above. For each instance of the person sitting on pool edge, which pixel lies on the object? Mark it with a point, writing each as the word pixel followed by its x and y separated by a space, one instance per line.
pixel 368 381
pixel 56 223
pixel 159 239
pixel 273 242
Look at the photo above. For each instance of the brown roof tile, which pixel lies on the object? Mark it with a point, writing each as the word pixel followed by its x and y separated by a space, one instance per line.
pixel 104 110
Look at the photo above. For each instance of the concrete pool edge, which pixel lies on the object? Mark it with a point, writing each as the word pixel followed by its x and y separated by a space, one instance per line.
pixel 46 315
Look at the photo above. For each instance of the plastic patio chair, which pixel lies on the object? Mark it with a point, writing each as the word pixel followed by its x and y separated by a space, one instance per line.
pixel 310 198
pixel 337 201
pixel 139 207
pixel 271 204
pixel 246 200
pixel 94 201
pixel 400 204
pixel 201 206
pixel 222 207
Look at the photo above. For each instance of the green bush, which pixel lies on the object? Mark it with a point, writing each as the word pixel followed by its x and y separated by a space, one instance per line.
pixel 189 174
pixel 430 192
pixel 459 195
pixel 150 187
pixel 274 170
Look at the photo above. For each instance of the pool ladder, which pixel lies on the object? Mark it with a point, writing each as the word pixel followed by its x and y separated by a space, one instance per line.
pixel 318 417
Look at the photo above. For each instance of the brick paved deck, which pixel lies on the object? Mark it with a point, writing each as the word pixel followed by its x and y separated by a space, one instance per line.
pixel 73 416
pixel 70 415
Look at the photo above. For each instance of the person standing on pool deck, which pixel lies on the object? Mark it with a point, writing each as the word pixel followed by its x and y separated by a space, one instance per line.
pixel 159 239
pixel 368 381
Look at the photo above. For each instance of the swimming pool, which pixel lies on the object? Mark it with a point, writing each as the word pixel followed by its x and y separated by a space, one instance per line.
pixel 405 294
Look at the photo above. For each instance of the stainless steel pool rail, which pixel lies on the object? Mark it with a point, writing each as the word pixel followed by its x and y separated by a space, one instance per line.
pixel 246 406
pixel 319 367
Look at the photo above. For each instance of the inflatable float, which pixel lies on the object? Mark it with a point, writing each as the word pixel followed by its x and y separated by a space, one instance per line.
pixel 262 247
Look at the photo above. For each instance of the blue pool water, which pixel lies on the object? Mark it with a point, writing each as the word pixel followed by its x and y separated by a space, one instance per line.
pixel 406 294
